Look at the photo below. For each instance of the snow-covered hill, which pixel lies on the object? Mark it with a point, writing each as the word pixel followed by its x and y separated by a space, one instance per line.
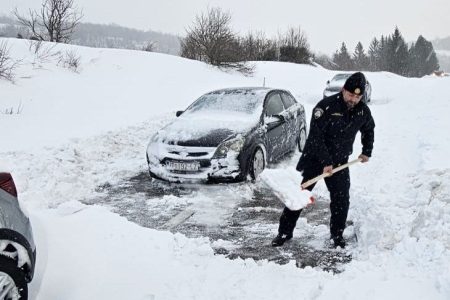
pixel 444 60
pixel 76 130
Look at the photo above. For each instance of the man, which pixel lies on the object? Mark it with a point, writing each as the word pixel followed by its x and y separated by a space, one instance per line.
pixel 334 124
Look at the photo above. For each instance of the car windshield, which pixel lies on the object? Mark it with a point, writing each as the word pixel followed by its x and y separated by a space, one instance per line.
pixel 240 101
pixel 341 77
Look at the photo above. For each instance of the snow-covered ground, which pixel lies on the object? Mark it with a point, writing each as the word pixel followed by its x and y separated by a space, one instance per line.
pixel 77 130
pixel 443 52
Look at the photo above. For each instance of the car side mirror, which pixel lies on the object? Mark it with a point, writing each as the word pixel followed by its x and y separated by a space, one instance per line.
pixel 280 118
pixel 328 82
pixel 179 113
pixel 274 121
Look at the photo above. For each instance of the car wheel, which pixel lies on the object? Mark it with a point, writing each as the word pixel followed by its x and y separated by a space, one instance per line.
pixel 12 280
pixel 301 139
pixel 257 164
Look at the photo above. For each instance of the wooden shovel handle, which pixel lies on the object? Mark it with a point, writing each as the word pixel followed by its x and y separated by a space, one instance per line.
pixel 337 169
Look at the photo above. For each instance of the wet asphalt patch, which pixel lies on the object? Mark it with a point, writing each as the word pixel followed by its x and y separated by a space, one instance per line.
pixel 240 219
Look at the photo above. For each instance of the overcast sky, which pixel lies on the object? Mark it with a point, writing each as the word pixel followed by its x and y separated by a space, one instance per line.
pixel 326 23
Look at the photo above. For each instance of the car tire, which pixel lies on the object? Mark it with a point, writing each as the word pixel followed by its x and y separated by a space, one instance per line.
pixel 257 163
pixel 12 280
pixel 301 139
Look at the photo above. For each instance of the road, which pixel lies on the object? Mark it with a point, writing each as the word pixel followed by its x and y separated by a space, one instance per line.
pixel 239 219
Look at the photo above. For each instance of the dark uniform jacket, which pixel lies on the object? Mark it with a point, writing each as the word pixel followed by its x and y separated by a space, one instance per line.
pixel 333 130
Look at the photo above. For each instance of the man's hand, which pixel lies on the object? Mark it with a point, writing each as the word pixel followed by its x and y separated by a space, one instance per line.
pixel 328 169
pixel 363 158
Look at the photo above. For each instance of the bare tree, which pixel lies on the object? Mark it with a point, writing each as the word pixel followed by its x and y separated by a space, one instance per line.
pixel 7 64
pixel 150 46
pixel 294 46
pixel 257 47
pixel 210 39
pixel 293 37
pixel 54 22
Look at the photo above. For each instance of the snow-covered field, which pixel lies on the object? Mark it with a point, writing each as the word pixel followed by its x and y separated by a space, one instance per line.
pixel 443 52
pixel 77 130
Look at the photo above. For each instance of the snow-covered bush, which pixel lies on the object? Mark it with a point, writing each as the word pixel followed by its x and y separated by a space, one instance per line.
pixel 70 60
pixel 7 64
pixel 43 52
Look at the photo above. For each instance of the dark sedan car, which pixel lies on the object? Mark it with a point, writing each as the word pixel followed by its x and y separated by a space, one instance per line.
pixel 228 135
pixel 336 83
pixel 17 249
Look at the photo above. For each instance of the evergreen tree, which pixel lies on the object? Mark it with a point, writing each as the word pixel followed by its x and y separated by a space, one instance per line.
pixel 397 54
pixel 383 52
pixel 360 59
pixel 374 55
pixel 390 53
pixel 342 59
pixel 423 60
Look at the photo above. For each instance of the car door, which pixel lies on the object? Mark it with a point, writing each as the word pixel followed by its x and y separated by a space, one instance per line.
pixel 292 121
pixel 273 107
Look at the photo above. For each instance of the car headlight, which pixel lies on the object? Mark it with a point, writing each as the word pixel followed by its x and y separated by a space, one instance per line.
pixel 234 144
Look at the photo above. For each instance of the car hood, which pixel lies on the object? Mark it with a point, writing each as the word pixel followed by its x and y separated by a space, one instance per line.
pixel 205 130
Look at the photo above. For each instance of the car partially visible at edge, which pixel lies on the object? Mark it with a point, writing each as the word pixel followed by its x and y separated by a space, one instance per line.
pixel 17 248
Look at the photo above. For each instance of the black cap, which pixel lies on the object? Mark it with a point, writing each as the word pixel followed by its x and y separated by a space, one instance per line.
pixel 356 83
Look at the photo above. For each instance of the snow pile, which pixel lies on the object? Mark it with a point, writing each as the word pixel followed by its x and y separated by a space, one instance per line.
pixel 432 217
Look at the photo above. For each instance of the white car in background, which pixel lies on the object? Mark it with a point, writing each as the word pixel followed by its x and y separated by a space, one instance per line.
pixel 336 83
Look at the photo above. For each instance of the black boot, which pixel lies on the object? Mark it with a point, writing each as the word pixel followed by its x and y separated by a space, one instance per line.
pixel 338 241
pixel 280 239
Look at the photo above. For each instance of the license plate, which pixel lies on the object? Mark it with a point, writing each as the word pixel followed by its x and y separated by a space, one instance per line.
pixel 183 166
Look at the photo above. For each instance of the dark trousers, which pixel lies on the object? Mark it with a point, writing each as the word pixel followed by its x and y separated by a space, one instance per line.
pixel 338 185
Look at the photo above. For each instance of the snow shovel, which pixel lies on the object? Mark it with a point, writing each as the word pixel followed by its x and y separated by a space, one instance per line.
pixel 306 197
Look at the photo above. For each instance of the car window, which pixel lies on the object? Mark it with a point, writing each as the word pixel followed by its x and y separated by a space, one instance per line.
pixel 341 77
pixel 288 100
pixel 243 101
pixel 274 105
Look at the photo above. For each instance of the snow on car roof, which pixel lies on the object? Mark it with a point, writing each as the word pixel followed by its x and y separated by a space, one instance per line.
pixel 341 76
pixel 242 100
pixel 236 109
pixel 248 88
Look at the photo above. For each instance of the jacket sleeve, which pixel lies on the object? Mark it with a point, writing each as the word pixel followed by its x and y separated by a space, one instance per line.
pixel 319 120
pixel 367 136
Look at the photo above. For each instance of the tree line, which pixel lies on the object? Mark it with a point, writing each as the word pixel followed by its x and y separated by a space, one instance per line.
pixel 211 39
pixel 388 53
